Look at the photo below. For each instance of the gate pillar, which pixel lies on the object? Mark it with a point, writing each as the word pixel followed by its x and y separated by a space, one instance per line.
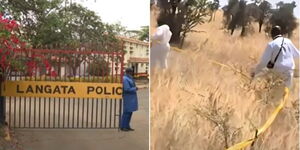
pixel 2 105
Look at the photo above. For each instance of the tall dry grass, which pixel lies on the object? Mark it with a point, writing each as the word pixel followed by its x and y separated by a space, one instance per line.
pixel 199 105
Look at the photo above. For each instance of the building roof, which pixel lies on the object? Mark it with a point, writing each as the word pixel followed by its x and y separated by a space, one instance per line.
pixel 132 40
pixel 138 60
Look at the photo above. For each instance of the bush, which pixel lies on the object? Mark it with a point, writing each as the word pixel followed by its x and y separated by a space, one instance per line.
pixel 98 68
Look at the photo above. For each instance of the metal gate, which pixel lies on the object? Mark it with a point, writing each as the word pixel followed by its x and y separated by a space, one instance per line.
pixel 77 65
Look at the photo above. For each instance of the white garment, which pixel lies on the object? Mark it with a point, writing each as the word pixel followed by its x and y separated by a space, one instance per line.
pixel 161 47
pixel 285 62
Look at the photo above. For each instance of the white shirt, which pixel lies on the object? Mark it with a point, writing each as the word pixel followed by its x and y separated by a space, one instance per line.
pixel 160 48
pixel 285 61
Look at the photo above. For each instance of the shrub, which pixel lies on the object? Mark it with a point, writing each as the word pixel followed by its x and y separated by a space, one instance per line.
pixel 98 68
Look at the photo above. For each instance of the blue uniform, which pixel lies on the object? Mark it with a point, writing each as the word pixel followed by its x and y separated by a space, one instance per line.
pixel 130 102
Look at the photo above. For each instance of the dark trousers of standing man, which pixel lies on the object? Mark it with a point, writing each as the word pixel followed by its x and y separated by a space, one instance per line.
pixel 126 117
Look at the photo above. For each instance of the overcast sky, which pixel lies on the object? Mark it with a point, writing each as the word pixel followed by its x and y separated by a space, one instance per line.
pixel 136 13
pixel 273 2
pixel 130 13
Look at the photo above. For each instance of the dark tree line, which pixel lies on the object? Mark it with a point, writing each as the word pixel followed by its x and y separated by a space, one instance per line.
pixel 239 14
pixel 283 16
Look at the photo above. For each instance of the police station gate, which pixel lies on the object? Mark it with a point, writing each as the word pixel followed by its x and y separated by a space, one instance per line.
pixel 73 89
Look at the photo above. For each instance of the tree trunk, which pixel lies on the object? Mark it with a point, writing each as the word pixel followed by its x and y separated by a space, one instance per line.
pixel 232 30
pixel 211 17
pixel 182 40
pixel 243 33
pixel 260 25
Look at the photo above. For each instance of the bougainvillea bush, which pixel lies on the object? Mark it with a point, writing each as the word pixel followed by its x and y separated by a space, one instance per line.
pixel 13 54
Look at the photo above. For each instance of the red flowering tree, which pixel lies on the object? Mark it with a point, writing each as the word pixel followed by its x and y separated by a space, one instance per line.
pixel 8 43
pixel 11 56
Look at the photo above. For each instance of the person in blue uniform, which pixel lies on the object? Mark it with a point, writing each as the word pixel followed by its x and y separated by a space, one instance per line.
pixel 130 101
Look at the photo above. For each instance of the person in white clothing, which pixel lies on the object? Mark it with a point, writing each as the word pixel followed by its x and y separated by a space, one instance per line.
pixel 279 56
pixel 160 47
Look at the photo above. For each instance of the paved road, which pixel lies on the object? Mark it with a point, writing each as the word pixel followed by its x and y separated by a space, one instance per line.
pixel 91 139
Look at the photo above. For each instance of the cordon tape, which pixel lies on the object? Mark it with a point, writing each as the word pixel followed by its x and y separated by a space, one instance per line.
pixel 267 124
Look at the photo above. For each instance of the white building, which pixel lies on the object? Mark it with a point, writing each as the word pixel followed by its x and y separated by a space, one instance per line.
pixel 136 55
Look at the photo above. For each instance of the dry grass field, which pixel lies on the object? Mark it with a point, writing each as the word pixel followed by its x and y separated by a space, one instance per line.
pixel 199 105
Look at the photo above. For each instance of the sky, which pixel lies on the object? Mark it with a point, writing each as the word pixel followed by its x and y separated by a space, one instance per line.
pixel 273 2
pixel 132 14
pixel 136 13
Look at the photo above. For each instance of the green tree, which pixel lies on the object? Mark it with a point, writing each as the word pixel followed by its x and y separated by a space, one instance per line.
pixel 213 7
pixel 34 16
pixel 195 12
pixel 239 14
pixel 265 7
pixel 283 17
pixel 83 25
pixel 84 30
pixel 116 28
pixel 144 33
pixel 47 22
pixel 182 16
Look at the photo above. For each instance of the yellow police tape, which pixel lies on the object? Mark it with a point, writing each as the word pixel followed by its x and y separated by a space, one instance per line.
pixel 265 126
pixel 176 49
pixel 268 123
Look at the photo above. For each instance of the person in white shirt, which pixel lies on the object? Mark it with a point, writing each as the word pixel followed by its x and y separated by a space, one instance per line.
pixel 279 56
pixel 160 47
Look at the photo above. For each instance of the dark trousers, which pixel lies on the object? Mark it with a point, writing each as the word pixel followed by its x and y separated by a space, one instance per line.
pixel 126 117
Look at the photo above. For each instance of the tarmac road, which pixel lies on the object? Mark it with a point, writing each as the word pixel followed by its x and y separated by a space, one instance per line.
pixel 92 139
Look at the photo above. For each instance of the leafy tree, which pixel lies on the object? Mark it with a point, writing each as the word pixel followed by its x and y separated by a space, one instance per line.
pixel 284 18
pixel 213 7
pixel 236 15
pixel 265 7
pixel 117 28
pixel 34 16
pixel 142 34
pixel 279 4
pixel 82 25
pixel 11 58
pixel 53 23
pixel 47 22
pixel 239 14
pixel 9 42
pixel 182 16
pixel 83 30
